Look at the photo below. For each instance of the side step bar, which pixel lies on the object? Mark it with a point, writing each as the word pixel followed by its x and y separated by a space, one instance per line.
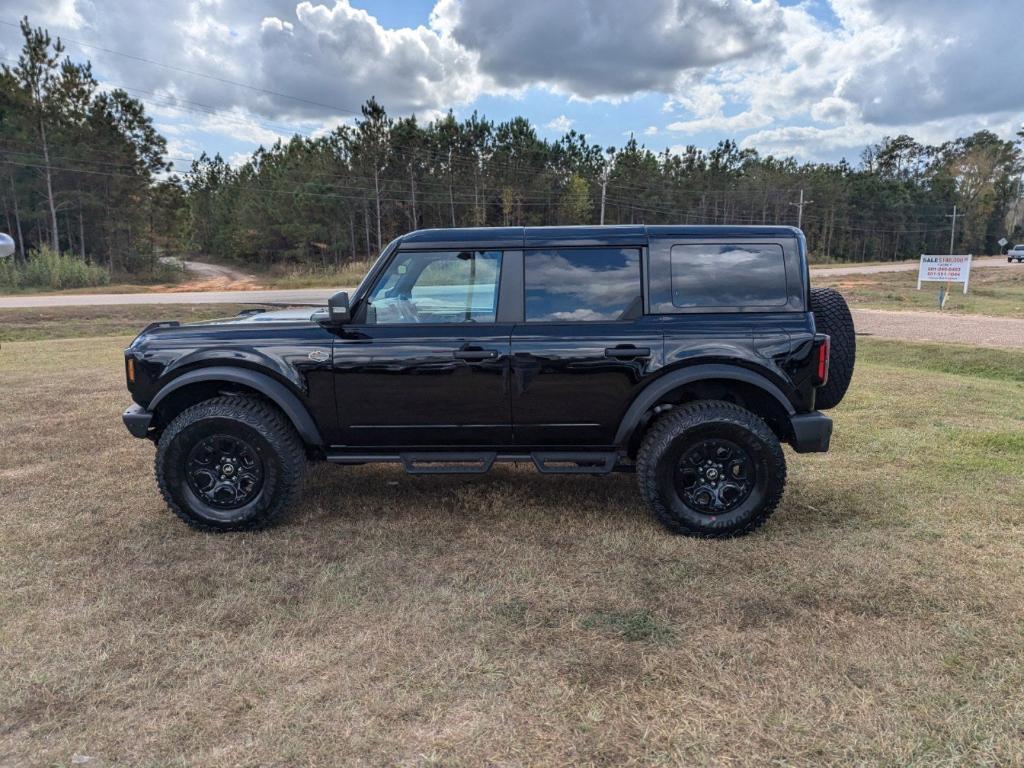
pixel 478 462
pixel 453 463
pixel 563 463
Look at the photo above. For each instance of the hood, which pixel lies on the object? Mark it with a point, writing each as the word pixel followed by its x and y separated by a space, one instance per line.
pixel 249 319
pixel 292 315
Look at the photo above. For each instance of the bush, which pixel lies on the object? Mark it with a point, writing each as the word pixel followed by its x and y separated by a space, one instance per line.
pixel 168 272
pixel 47 268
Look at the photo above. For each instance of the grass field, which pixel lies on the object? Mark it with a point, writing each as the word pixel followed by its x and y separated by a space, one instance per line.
pixel 992 291
pixel 38 323
pixel 518 618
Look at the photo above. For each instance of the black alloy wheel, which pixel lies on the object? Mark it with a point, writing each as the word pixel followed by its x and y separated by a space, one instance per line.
pixel 224 471
pixel 715 476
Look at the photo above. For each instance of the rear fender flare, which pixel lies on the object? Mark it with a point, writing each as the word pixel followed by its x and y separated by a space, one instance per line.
pixel 270 388
pixel 650 395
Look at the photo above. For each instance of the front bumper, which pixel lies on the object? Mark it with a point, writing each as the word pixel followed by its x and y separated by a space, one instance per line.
pixel 138 420
pixel 812 432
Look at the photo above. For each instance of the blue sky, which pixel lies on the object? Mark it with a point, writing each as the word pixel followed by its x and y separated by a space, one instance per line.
pixel 817 80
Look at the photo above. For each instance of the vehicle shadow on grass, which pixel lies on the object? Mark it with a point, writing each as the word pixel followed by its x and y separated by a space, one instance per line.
pixel 517 493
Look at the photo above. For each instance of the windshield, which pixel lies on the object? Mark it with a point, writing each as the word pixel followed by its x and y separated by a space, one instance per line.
pixel 362 283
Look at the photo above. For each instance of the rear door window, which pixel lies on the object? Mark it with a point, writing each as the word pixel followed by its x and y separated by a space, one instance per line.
pixel 582 284
pixel 720 275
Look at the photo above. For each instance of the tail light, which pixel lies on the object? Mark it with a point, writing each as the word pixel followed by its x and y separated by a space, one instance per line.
pixel 824 350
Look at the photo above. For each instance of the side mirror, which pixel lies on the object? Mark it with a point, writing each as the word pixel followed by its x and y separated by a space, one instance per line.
pixel 337 307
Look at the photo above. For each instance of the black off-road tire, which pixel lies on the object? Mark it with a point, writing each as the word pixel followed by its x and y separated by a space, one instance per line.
pixel 678 433
pixel 832 316
pixel 263 428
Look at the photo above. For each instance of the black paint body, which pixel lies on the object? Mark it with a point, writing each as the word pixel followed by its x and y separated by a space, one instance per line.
pixel 510 385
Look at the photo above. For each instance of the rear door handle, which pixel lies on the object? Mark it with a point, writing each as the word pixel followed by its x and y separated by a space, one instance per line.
pixel 628 352
pixel 475 353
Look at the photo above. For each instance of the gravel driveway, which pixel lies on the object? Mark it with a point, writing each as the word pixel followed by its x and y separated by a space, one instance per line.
pixel 899 266
pixel 980 330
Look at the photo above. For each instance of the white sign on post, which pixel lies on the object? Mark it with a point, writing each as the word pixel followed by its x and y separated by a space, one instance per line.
pixel 944 269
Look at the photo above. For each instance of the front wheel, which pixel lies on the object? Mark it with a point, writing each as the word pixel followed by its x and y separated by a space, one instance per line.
pixel 229 464
pixel 711 469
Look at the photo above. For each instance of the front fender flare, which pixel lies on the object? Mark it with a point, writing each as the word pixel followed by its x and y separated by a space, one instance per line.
pixel 270 388
pixel 650 395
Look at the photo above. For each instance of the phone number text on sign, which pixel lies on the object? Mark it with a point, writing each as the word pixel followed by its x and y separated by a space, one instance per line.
pixel 943 269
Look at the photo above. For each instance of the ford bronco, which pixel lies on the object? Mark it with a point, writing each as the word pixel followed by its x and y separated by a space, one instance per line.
pixel 685 354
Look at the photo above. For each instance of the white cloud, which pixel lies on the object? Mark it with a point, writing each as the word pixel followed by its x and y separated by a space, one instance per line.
pixel 238 159
pixel 560 123
pixel 304 60
pixel 751 69
pixel 583 48
pixel 727 125
pixel 849 139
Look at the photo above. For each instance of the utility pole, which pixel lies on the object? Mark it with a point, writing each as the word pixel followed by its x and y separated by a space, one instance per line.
pixel 604 190
pixel 952 231
pixel 800 210
pixel 605 172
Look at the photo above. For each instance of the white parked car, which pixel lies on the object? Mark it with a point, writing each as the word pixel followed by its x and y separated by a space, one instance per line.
pixel 1016 253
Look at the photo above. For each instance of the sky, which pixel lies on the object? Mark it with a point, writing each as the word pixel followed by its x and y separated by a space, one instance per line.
pixel 816 79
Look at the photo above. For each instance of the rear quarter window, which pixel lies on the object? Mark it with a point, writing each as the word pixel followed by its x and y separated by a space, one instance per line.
pixel 721 276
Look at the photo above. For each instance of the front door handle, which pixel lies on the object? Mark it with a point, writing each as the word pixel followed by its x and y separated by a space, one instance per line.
pixel 628 352
pixel 475 353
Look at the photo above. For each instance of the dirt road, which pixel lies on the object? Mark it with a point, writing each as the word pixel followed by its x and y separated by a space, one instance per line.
pixel 219 285
pixel 899 266
pixel 204 271
pixel 299 296
pixel 911 326
pixel 980 330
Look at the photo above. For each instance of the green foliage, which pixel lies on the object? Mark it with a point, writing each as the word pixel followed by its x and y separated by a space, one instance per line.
pixel 79 163
pixel 575 203
pixel 83 170
pixel 46 268
pixel 333 199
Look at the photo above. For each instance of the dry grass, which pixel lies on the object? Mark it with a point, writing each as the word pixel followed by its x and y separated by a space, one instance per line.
pixel 992 291
pixel 38 323
pixel 349 275
pixel 514 618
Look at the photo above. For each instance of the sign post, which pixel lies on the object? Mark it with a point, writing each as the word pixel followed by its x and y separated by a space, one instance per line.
pixel 944 269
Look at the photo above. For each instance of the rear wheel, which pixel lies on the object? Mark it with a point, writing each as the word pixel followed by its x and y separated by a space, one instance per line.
pixel 711 469
pixel 229 464
pixel 832 316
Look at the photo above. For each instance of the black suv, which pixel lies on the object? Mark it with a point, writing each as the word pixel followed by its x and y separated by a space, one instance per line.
pixel 686 354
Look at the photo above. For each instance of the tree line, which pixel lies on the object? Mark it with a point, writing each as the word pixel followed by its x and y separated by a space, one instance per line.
pixel 84 171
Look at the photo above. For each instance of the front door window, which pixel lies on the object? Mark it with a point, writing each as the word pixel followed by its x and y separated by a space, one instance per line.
pixel 438 287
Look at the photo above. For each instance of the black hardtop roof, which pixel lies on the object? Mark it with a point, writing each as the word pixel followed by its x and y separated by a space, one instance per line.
pixel 615 234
